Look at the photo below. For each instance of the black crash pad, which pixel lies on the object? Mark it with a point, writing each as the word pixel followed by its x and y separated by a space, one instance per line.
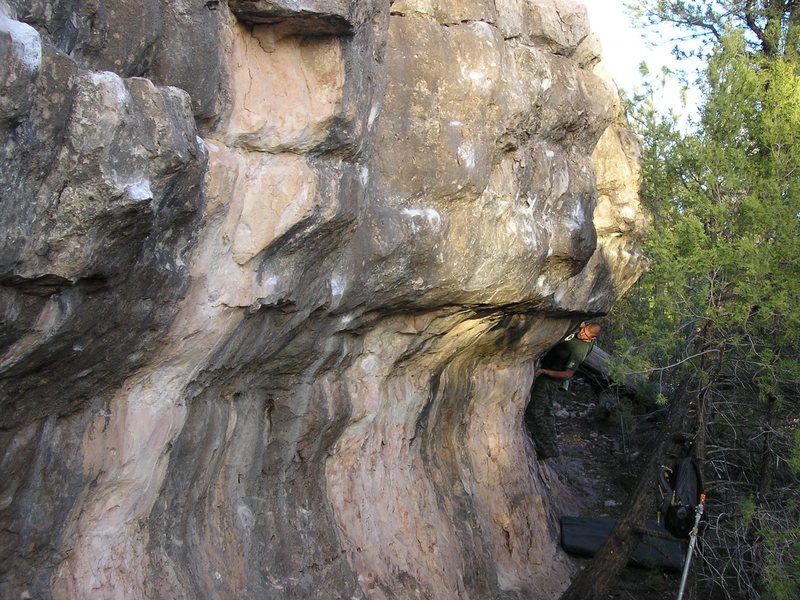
pixel 584 535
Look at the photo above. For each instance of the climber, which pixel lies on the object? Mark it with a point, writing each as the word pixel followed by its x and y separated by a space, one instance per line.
pixel 552 377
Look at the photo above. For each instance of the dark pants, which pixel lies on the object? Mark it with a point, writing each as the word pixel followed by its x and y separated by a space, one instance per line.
pixel 539 417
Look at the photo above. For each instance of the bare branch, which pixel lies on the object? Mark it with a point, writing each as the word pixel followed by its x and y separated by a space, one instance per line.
pixel 680 362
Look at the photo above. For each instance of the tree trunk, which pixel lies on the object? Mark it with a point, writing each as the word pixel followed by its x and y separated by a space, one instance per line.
pixel 768 453
pixel 595 580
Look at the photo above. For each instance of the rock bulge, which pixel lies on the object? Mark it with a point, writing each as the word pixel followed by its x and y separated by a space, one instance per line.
pixel 272 283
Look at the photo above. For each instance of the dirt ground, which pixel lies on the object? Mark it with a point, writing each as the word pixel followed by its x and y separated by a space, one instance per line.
pixel 601 447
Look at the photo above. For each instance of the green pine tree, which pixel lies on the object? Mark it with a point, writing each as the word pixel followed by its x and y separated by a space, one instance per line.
pixel 720 305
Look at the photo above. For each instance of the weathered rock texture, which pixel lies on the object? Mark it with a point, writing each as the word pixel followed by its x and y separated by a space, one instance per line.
pixel 273 279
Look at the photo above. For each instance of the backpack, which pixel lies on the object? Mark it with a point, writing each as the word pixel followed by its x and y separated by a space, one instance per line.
pixel 680 489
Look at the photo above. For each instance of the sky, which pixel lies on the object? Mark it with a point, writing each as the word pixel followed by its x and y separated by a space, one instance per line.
pixel 624 48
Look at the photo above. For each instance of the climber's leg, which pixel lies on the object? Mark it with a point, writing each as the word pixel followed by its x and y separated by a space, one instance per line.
pixel 539 418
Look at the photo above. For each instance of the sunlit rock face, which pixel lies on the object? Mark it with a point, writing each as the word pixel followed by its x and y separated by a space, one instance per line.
pixel 273 280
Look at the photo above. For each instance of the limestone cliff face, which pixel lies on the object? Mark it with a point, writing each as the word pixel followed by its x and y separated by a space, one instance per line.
pixel 273 279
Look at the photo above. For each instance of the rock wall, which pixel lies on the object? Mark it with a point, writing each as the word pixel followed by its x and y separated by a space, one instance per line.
pixel 273 280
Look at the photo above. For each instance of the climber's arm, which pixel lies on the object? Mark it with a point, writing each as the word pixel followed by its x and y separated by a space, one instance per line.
pixel 563 375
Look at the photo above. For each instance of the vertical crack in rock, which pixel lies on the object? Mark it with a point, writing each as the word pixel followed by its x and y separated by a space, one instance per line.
pixel 272 287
